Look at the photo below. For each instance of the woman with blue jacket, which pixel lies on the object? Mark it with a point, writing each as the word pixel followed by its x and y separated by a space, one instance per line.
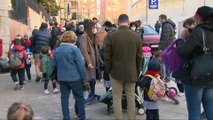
pixel 71 73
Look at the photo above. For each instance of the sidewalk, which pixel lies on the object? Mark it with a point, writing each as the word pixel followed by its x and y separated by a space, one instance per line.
pixel 49 106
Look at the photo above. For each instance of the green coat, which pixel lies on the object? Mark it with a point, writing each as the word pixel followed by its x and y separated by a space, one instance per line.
pixel 45 65
pixel 123 54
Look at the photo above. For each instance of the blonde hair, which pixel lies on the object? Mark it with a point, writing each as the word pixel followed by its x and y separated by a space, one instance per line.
pixel 68 37
pixel 20 111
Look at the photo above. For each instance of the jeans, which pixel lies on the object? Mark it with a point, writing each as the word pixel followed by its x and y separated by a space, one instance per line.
pixel 195 95
pixel 21 75
pixel 145 65
pixel 77 90
pixel 152 114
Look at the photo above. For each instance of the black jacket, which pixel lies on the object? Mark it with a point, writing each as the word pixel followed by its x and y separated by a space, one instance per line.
pixel 145 83
pixel 167 34
pixel 193 47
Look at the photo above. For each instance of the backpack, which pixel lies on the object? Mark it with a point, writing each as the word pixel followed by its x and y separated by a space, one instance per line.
pixel 171 58
pixel 15 58
pixel 29 59
pixel 157 88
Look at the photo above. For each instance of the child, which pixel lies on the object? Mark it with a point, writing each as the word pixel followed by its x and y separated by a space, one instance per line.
pixel 17 58
pixel 20 111
pixel 46 69
pixel 146 57
pixel 26 43
pixel 152 107
pixel 29 62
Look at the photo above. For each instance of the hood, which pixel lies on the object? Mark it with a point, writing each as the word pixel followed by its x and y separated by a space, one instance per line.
pixel 18 48
pixel 207 26
pixel 171 22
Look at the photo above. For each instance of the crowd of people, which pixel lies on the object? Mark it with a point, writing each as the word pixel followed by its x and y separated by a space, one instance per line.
pixel 75 57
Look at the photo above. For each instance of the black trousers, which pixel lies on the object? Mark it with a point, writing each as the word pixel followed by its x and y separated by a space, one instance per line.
pixel 27 67
pixel 21 75
pixel 152 114
pixel 180 87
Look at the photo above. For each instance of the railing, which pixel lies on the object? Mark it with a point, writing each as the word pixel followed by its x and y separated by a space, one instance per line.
pixel 33 4
pixel 19 10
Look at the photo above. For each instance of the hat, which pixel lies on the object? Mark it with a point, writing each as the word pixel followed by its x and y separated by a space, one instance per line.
pixel 204 12
pixel 154 66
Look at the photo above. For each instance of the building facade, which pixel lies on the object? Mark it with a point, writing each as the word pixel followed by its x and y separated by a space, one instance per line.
pixel 87 9
pixel 177 10
pixel 111 9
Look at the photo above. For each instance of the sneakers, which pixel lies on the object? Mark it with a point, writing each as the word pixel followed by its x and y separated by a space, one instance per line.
pixel 21 87
pixel 56 90
pixel 16 86
pixel 46 92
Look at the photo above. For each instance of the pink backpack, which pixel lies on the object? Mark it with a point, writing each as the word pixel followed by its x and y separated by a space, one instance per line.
pixel 171 58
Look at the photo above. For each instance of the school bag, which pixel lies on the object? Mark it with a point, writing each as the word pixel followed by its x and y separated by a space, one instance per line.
pixel 29 59
pixel 171 58
pixel 157 88
pixel 15 58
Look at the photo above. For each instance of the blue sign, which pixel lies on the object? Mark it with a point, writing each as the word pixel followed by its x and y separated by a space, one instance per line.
pixel 153 4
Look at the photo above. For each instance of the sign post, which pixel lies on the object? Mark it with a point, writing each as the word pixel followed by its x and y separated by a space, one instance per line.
pixel 153 4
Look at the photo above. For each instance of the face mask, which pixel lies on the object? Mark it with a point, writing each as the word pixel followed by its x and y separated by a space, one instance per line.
pixel 133 28
pixel 95 31
pixel 107 30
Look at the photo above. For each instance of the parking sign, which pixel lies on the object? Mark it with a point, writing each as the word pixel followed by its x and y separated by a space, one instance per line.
pixel 153 4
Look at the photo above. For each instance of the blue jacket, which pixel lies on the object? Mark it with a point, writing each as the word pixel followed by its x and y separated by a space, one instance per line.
pixel 68 61
pixel 42 38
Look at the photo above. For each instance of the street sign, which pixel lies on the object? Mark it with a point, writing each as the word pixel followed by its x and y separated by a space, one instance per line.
pixel 153 4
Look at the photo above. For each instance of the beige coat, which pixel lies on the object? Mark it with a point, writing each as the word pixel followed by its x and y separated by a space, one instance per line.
pixel 90 54
pixel 100 37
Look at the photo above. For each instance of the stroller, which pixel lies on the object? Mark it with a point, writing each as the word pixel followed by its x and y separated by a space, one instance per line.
pixel 4 66
pixel 107 99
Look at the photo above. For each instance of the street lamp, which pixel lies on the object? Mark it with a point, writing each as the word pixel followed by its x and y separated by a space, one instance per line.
pixel 147 17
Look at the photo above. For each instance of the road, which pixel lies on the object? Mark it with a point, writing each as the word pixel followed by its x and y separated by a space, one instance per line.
pixel 49 107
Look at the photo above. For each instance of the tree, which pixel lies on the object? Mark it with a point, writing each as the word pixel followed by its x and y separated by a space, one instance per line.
pixel 51 6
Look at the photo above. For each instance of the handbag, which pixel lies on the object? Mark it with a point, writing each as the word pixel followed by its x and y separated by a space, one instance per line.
pixel 202 66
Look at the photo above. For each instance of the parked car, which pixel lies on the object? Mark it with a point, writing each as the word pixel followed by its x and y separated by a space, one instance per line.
pixel 150 36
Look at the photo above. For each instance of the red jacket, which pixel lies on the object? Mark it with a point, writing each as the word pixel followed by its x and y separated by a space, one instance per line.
pixel 24 54
pixel 28 42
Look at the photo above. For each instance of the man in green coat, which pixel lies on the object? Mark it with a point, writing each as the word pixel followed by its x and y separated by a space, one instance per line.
pixel 123 59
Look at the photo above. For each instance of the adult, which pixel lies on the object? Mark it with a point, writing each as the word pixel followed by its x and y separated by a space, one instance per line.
pixel 55 32
pixel 80 30
pixel 41 39
pixel 71 73
pixel 89 50
pixel 167 37
pixel 123 59
pixel 157 26
pixel 168 32
pixel 188 25
pixel 98 25
pixel 198 91
pixel 133 26
pixel 107 26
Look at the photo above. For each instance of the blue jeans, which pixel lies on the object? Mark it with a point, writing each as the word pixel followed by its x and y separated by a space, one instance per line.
pixel 77 90
pixel 195 95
